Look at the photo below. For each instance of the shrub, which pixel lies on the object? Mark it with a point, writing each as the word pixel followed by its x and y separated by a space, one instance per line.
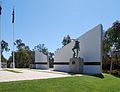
pixel 116 73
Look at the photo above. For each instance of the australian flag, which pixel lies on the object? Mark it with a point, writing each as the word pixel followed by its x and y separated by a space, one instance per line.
pixel 13 15
pixel 0 10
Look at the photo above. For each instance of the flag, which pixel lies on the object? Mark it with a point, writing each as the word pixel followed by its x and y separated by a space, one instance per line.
pixel 13 16
pixel 0 9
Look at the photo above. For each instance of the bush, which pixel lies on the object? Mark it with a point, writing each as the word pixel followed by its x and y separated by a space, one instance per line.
pixel 105 71
pixel 116 73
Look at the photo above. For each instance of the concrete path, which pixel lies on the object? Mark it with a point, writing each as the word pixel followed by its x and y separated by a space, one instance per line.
pixel 7 75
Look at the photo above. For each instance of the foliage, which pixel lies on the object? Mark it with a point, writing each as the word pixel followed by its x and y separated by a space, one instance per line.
pixel 19 44
pixel 3 59
pixel 51 59
pixel 66 40
pixel 116 73
pixel 31 55
pixel 112 40
pixel 112 36
pixel 68 84
pixel 4 46
pixel 41 48
pixel 50 55
pixel 44 50
pixel 9 62
pixel 21 59
pixel 23 55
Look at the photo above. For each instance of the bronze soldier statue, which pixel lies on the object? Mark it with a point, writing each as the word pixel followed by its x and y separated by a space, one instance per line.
pixel 77 48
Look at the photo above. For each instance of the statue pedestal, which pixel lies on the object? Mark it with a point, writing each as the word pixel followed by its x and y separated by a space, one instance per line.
pixel 76 65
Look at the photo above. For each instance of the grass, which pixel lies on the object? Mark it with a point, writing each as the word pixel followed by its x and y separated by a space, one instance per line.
pixel 11 70
pixel 108 83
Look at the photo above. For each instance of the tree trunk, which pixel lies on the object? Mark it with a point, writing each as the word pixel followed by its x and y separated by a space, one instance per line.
pixel 111 67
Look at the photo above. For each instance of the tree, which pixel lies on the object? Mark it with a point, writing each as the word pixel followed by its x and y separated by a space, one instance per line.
pixel 51 59
pixel 19 44
pixel 41 48
pixel 27 48
pixel 9 61
pixel 23 56
pixel 4 46
pixel 21 59
pixel 31 58
pixel 112 40
pixel 112 36
pixel 66 40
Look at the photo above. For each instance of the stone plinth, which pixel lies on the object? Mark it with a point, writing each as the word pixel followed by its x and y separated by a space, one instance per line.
pixel 76 65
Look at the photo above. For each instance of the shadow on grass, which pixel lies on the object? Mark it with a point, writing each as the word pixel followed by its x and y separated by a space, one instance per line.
pixel 60 71
pixel 115 73
pixel 98 75
pixel 118 76
pixel 74 73
pixel 71 73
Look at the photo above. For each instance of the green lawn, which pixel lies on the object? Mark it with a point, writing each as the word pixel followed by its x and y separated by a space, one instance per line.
pixel 69 84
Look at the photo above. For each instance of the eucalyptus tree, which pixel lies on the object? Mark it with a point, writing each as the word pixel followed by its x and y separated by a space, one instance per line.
pixel 66 40
pixel 112 40
pixel 4 47
pixel 22 54
pixel 41 48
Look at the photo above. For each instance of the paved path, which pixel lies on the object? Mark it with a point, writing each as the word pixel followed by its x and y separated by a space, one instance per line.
pixel 28 74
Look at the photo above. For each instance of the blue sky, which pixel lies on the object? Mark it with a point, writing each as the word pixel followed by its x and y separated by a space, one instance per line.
pixel 48 21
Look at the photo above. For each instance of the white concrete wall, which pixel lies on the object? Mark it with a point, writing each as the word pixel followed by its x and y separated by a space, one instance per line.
pixel 39 58
pixel 90 51
pixel 92 69
pixel 63 68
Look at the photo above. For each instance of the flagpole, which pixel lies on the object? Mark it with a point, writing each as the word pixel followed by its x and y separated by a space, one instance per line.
pixel 13 47
pixel 0 33
pixel 13 35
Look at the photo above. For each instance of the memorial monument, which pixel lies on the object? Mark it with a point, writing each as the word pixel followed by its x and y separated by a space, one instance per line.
pixel 83 55
pixel 89 52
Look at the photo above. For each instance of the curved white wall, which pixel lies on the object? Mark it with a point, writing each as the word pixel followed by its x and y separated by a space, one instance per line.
pixel 41 58
pixel 90 51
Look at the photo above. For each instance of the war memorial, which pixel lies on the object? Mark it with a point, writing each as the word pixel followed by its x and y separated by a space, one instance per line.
pixel 82 55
